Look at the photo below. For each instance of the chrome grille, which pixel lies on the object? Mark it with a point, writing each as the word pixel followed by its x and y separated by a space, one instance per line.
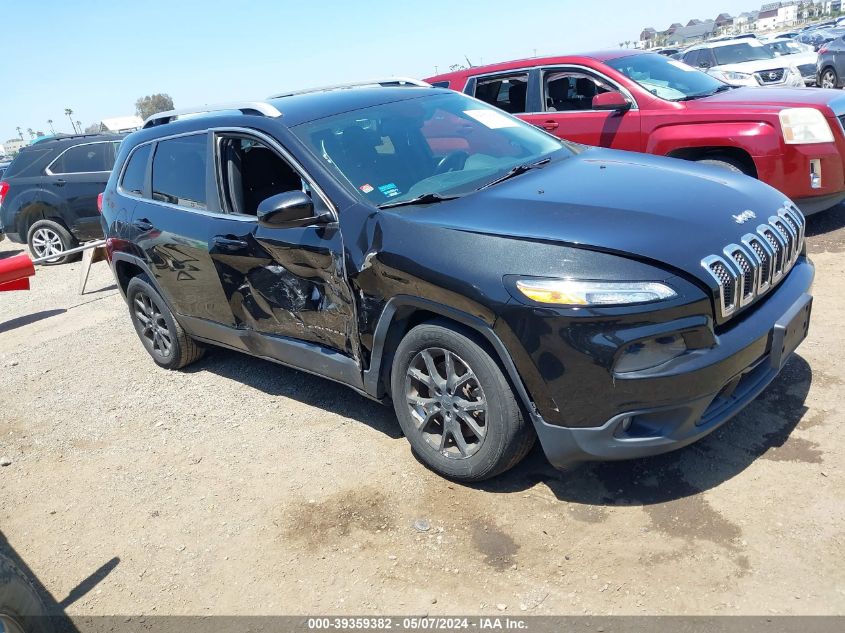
pixel 746 271
pixel 771 76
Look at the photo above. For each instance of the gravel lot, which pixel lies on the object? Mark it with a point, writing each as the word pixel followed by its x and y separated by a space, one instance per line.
pixel 242 487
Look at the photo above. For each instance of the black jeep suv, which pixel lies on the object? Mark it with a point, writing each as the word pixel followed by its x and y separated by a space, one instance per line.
pixel 48 195
pixel 493 282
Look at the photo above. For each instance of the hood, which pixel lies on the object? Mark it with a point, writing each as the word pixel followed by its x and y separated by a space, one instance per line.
pixel 755 66
pixel 800 59
pixel 773 99
pixel 661 210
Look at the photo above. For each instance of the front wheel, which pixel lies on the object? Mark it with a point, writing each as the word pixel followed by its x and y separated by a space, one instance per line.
pixel 829 78
pixel 21 608
pixel 724 162
pixel 455 405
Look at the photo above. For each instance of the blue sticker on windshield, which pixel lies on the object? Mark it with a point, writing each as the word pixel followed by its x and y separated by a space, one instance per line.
pixel 389 190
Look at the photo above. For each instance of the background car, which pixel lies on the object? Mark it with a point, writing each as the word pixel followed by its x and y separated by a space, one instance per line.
pixel 819 37
pixel 831 64
pixel 48 195
pixel 745 62
pixel 802 56
pixel 643 102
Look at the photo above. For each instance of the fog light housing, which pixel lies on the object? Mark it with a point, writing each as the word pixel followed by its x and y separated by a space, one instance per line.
pixel 815 174
pixel 650 353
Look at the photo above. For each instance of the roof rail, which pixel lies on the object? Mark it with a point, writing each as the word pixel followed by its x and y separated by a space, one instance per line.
pixel 385 83
pixel 246 107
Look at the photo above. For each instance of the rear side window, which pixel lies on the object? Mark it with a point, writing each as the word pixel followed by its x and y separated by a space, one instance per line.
pixel 179 171
pixel 136 170
pixel 505 92
pixel 25 159
pixel 87 158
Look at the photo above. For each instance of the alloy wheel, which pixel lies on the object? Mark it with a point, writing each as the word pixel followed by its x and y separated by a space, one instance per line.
pixel 828 79
pixel 8 624
pixel 153 325
pixel 446 402
pixel 46 242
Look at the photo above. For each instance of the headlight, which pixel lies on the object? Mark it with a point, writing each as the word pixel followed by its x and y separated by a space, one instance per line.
pixel 804 125
pixel 729 75
pixel 571 292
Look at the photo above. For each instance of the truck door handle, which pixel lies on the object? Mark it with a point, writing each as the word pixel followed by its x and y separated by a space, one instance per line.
pixel 225 243
pixel 550 125
pixel 61 182
pixel 143 224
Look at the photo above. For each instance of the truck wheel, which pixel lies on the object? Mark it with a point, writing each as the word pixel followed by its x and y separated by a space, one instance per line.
pixel 162 336
pixel 455 405
pixel 21 608
pixel 725 163
pixel 46 237
pixel 829 78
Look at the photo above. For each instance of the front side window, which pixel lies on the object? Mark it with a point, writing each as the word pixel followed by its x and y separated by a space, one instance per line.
pixel 666 78
pixel 571 90
pixel 507 92
pixel 136 170
pixel 87 158
pixel 179 171
pixel 444 144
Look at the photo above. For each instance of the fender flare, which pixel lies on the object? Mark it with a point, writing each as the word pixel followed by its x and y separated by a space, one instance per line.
pixel 116 257
pixel 667 139
pixel 372 375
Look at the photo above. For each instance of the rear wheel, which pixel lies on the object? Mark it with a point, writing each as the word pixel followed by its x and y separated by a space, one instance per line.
pixel 829 78
pixel 46 237
pixel 21 608
pixel 455 405
pixel 162 336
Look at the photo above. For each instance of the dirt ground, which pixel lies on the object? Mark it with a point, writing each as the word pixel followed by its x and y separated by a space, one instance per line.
pixel 242 487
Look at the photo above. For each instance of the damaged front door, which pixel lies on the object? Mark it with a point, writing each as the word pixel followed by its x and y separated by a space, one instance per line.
pixel 278 281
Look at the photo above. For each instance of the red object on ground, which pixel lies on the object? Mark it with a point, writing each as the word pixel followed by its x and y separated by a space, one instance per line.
pixel 15 273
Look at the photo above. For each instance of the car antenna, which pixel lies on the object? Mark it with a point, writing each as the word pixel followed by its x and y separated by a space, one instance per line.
pixel 469 63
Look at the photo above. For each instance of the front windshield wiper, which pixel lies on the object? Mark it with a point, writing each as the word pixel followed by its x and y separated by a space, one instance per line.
pixel 701 95
pixel 516 171
pixel 426 198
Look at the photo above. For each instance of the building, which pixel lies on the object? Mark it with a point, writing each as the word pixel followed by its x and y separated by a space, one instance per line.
pixel 121 124
pixel 688 35
pixel 14 145
pixel 746 21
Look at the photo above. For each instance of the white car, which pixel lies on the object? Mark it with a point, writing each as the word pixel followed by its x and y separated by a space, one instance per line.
pixel 802 56
pixel 743 62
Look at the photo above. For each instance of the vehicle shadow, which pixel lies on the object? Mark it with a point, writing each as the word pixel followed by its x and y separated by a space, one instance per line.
pixel 55 617
pixel 761 430
pixel 12 324
pixel 5 254
pixel 826 221
pixel 278 380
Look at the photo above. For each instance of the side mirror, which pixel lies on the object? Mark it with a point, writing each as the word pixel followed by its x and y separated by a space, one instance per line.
pixel 287 210
pixel 611 100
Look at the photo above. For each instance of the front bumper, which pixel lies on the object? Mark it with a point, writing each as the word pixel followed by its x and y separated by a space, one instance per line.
pixel 710 389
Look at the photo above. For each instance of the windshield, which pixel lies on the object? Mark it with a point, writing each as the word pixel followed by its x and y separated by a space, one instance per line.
pixel 444 144
pixel 741 52
pixel 784 48
pixel 667 78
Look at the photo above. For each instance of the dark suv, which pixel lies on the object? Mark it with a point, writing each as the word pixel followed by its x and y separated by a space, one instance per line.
pixel 48 195
pixel 496 283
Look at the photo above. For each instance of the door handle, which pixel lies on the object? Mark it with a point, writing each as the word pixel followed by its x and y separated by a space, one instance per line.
pixel 229 243
pixel 143 224
pixel 550 125
pixel 61 182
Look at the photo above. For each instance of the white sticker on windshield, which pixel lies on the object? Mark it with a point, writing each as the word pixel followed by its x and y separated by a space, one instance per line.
pixel 681 65
pixel 492 119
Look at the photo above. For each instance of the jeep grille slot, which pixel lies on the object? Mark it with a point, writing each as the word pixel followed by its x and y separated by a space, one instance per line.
pixel 743 272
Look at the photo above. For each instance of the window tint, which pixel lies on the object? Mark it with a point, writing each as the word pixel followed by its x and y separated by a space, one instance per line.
pixel 440 84
pixel 136 170
pixel 568 90
pixel 505 92
pixel 179 171
pixel 90 157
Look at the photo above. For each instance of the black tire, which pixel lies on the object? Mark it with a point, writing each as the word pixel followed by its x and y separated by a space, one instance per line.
pixel 724 162
pixel 47 236
pixel 829 78
pixel 20 604
pixel 162 336
pixel 507 437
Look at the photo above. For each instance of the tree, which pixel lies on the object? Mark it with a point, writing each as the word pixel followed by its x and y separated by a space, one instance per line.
pixel 69 114
pixel 30 132
pixel 153 104
pixel 50 123
pixel 94 128
pixel 19 132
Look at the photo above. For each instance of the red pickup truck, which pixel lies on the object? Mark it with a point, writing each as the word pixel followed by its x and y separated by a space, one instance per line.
pixel 790 138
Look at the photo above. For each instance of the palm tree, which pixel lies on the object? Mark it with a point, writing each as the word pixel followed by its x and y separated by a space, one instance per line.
pixel 68 113
pixel 19 132
pixel 79 126
pixel 30 132
pixel 621 44
pixel 50 123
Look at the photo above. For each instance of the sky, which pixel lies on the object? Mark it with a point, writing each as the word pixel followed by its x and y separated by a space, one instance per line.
pixel 98 56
